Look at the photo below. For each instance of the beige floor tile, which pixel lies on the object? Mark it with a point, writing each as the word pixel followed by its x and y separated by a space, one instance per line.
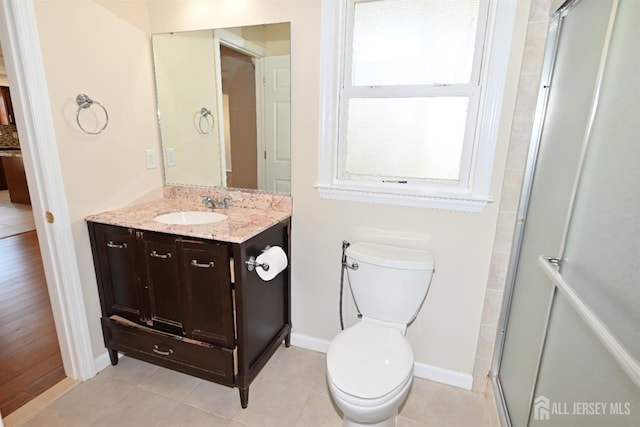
pixel 187 416
pixel 130 370
pixel 45 419
pixel 215 398
pixel 137 408
pixel 319 411
pixel 272 403
pixel 441 405
pixel 84 403
pixel 15 218
pixel 297 367
pixel 320 386
pixel 168 383
pixel 291 392
pixel 404 422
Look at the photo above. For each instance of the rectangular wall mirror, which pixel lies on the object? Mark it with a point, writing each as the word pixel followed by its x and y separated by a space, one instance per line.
pixel 224 106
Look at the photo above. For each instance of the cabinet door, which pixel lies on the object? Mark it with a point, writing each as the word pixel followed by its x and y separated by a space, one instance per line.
pixel 206 278
pixel 115 261
pixel 161 282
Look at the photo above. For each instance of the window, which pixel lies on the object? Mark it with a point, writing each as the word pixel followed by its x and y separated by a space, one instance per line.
pixel 405 89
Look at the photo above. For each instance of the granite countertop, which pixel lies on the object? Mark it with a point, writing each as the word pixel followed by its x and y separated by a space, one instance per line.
pixel 242 224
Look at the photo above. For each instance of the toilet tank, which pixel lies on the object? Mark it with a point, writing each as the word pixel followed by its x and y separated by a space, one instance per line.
pixel 390 283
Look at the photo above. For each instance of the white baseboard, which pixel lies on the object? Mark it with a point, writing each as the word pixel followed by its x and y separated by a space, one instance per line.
pixel 102 361
pixel 443 375
pixel 421 370
pixel 310 343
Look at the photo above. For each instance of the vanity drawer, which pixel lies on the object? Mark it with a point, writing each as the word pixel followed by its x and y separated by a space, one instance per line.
pixel 181 354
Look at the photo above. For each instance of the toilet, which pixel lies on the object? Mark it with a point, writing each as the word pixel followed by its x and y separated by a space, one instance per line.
pixel 370 364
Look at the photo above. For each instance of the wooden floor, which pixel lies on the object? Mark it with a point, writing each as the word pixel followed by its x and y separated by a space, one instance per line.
pixel 30 360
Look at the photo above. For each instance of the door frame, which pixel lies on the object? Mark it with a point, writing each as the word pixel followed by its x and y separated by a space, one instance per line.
pixel 25 71
pixel 550 55
pixel 257 54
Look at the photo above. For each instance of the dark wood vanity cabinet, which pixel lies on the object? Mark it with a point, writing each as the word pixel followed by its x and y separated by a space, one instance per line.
pixel 115 257
pixel 6 107
pixel 190 304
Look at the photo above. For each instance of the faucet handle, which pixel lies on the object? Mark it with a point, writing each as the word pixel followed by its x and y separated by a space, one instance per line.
pixel 207 201
pixel 221 204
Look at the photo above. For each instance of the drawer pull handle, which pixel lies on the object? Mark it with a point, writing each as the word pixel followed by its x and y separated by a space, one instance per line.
pixel 157 350
pixel 207 264
pixel 113 245
pixel 155 254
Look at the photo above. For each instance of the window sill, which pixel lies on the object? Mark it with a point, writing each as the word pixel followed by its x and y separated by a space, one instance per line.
pixel 440 201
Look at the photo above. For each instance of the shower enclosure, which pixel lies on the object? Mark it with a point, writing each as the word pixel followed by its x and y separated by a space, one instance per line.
pixel 569 343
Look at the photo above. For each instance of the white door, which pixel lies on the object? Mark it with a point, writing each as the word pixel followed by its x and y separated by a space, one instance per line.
pixel 277 123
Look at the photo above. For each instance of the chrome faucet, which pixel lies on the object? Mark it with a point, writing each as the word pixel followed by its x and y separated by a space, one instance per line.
pixel 215 203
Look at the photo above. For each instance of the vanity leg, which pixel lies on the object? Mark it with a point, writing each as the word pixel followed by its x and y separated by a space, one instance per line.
pixel 113 355
pixel 244 397
pixel 287 340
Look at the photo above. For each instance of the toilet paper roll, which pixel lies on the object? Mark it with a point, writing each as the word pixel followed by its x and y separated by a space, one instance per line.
pixel 275 258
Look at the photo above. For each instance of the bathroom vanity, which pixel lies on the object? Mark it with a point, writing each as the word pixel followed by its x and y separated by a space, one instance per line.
pixel 183 297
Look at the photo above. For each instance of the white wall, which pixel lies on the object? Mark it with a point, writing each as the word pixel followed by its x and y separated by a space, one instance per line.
pixel 185 74
pixel 109 58
pixel 100 48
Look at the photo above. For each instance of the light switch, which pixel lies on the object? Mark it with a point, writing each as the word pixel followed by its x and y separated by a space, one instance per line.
pixel 152 158
pixel 171 156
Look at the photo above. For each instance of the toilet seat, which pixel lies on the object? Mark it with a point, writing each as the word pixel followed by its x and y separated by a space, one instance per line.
pixel 369 361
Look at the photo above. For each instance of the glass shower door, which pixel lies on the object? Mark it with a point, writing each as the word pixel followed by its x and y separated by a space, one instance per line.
pixel 589 374
pixel 574 54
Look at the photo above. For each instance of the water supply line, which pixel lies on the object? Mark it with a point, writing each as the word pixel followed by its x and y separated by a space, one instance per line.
pixel 344 266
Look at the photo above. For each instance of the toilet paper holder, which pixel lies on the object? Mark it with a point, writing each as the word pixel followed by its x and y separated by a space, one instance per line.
pixel 252 264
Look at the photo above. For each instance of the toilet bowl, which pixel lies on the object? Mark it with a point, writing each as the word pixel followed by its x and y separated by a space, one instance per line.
pixel 370 364
pixel 369 373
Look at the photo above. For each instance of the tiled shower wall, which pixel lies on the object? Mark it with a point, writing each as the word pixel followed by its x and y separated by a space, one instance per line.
pixel 520 139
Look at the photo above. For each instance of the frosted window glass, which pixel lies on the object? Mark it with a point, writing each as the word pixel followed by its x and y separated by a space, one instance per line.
pixel 419 138
pixel 413 41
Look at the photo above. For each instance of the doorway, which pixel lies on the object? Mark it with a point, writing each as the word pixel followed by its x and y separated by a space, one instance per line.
pixel 239 100
pixel 570 337
pixel 30 358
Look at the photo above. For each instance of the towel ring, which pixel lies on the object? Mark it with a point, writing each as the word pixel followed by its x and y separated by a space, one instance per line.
pixel 84 102
pixel 205 126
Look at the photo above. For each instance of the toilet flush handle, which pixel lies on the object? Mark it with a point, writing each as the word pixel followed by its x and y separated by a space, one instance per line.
pixel 353 266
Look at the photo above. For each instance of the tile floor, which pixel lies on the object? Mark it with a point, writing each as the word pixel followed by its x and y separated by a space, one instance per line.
pixel 14 218
pixel 290 391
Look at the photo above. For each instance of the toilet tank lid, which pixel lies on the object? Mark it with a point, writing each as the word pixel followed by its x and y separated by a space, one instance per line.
pixel 390 256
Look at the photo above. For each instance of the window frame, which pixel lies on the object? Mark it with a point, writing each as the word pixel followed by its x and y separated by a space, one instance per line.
pixel 471 192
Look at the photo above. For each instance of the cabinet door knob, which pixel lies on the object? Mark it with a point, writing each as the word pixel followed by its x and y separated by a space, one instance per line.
pixel 159 255
pixel 206 264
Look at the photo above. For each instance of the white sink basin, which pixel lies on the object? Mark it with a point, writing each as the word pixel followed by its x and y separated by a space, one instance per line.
pixel 190 217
